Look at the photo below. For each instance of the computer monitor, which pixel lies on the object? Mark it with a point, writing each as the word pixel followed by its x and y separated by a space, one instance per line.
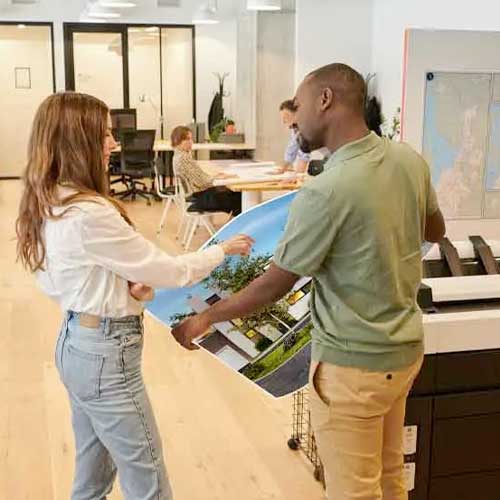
pixel 123 120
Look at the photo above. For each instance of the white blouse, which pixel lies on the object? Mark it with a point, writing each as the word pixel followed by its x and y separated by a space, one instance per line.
pixel 92 253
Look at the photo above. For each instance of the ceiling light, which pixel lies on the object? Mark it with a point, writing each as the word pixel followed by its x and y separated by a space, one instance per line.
pixel 94 9
pixel 85 16
pixel 151 29
pixel 206 14
pixel 169 3
pixel 117 4
pixel 264 4
pixel 21 26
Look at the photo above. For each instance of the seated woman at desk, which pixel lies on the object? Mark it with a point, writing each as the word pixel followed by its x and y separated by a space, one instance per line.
pixel 206 196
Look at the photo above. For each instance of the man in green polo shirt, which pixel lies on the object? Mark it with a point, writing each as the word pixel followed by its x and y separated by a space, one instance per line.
pixel 357 229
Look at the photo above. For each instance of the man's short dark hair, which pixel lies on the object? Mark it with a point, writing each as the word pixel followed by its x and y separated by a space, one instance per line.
pixel 348 85
pixel 288 105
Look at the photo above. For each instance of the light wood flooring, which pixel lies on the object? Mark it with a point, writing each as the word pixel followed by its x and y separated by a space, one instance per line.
pixel 223 438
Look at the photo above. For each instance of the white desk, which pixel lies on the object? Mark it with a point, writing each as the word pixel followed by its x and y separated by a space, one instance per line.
pixel 251 194
pixel 163 146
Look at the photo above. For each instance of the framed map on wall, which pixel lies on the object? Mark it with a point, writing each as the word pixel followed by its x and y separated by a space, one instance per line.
pixel 461 142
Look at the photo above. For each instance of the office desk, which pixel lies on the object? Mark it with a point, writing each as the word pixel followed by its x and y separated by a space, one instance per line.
pixel 162 146
pixel 165 150
pixel 251 194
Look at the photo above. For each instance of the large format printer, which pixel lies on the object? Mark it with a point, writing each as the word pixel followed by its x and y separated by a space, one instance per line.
pixel 452 433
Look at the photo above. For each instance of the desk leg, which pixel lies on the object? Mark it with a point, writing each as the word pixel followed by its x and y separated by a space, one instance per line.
pixel 250 199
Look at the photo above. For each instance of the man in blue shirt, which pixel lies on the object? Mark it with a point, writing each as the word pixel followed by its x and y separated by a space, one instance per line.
pixel 294 158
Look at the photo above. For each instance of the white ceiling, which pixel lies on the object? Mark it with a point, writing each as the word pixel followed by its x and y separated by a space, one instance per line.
pixel 70 10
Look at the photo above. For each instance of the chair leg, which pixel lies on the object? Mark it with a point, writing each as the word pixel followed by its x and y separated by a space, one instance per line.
pixel 181 226
pixel 208 225
pixel 168 202
pixel 196 223
pixel 125 194
pixel 144 195
pixel 187 228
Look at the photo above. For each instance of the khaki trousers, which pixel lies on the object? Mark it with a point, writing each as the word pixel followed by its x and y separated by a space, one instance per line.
pixel 358 420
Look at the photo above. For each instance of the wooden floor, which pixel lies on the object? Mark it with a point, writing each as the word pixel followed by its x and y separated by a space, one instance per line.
pixel 223 438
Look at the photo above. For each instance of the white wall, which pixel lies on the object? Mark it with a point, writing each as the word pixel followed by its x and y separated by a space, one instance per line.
pixel 333 31
pixel 29 48
pixel 215 44
pixel 392 17
pixel 246 76
pixel 278 53
pixel 215 53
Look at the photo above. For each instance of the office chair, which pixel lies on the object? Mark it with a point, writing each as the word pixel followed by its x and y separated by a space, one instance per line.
pixel 137 162
pixel 169 195
pixel 122 120
pixel 190 220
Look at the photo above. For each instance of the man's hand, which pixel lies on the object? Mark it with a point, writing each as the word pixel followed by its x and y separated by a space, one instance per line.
pixel 274 284
pixel 190 329
pixel 140 292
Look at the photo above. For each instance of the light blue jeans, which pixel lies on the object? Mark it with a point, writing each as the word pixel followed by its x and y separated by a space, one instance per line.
pixel 113 422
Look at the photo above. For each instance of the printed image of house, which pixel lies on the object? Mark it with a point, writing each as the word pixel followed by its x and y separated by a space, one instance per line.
pixel 238 346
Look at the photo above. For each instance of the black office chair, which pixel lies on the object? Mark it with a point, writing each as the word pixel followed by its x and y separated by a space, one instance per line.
pixel 122 121
pixel 316 167
pixel 137 162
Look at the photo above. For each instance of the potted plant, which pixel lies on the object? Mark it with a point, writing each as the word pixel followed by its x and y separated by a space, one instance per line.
pixel 230 127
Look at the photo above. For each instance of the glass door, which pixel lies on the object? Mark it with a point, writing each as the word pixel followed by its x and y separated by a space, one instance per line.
pixel 149 68
pixel 95 62
pixel 145 76
pixel 177 77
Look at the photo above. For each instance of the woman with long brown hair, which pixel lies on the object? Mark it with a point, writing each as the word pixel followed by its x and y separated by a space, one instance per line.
pixel 87 256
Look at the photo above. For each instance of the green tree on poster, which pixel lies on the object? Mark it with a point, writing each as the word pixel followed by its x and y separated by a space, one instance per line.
pixel 232 277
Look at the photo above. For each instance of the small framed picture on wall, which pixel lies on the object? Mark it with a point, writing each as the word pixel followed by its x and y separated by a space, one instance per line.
pixel 23 78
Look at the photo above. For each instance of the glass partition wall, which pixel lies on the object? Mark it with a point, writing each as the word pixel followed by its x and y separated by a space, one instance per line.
pixel 26 78
pixel 98 59
pixel 148 68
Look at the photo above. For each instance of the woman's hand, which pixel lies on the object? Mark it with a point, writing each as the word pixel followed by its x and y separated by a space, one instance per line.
pixel 240 244
pixel 140 292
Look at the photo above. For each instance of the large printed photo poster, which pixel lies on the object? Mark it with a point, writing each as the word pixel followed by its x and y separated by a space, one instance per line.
pixel 270 348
